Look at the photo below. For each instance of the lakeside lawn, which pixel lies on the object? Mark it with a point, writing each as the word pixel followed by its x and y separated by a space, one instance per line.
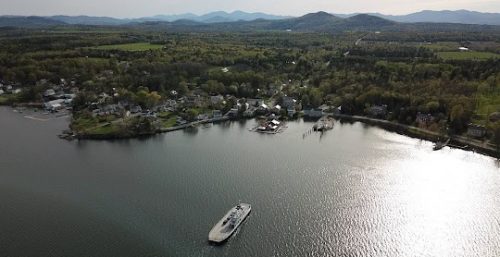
pixel 467 55
pixel 132 47
pixel 170 122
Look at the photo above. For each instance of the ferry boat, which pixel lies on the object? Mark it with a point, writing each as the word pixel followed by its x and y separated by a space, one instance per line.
pixel 229 223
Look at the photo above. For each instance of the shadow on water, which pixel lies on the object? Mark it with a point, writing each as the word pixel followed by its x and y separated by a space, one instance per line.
pixel 224 125
pixel 191 131
pixel 242 123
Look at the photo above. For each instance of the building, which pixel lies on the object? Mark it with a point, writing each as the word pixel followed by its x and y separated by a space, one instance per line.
pixel 217 99
pixel 248 113
pixel 463 49
pixel 289 102
pixel 424 120
pixel 54 105
pixel 276 109
pixel 313 113
pixel 217 114
pixel 49 93
pixel 477 131
pixel 378 110
pixel 233 113
pixel 255 102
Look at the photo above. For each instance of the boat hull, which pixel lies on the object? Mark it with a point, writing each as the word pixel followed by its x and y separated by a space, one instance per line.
pixel 221 232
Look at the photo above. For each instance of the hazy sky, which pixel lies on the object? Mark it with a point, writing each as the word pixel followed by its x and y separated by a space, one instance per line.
pixel 140 8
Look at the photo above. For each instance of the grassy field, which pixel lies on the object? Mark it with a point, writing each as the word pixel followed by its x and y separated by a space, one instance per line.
pixel 133 47
pixel 169 122
pixel 486 104
pixel 467 55
pixel 442 46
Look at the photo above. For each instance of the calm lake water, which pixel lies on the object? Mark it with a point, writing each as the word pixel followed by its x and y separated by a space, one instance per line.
pixel 356 191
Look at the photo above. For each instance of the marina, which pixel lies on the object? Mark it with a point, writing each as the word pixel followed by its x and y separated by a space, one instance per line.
pixel 323 124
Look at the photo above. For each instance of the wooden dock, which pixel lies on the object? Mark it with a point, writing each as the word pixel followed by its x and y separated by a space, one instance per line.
pixel 323 124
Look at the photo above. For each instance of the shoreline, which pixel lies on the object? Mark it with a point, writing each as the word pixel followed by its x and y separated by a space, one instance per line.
pixel 458 142
pixel 158 131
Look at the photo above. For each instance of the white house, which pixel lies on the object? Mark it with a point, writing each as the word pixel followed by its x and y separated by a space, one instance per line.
pixel 49 92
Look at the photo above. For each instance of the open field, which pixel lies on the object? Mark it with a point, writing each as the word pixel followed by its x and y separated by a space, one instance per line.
pixel 467 55
pixel 133 47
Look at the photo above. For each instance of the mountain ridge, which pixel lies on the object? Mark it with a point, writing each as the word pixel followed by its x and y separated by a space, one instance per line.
pixel 238 20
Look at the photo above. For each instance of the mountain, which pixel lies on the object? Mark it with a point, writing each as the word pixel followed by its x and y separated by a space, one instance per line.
pixel 222 21
pixel 27 21
pixel 89 20
pixel 319 21
pixel 213 17
pixel 460 16
pixel 365 21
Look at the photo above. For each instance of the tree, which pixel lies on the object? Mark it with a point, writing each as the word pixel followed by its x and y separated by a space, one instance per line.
pixel 496 138
pixel 457 118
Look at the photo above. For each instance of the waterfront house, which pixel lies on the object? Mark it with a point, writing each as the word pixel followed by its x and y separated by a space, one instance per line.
pixel 269 126
pixel 263 108
pixel 202 116
pixel 248 113
pixel 217 114
pixel 313 113
pixel 233 113
pixel 54 105
pixel 49 93
pixel 476 131
pixel 289 102
pixel 423 120
pixel 276 109
pixel 379 111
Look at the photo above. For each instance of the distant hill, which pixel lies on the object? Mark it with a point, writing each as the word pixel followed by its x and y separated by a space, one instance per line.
pixel 28 22
pixel 219 16
pixel 310 22
pixel 460 16
pixel 222 21
pixel 89 20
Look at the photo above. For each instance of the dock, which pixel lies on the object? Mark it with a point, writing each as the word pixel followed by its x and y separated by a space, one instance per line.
pixel 441 145
pixel 323 124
